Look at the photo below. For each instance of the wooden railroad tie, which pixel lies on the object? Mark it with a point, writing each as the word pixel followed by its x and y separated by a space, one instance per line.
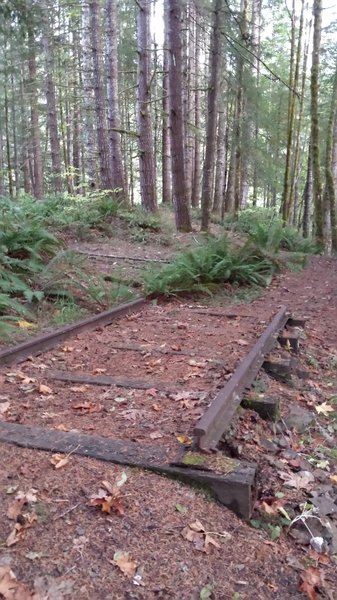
pixel 232 483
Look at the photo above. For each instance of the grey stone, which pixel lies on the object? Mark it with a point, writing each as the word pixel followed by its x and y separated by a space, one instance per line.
pixel 299 418
pixel 324 504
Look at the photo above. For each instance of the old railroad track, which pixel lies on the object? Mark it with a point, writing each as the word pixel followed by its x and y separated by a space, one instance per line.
pixel 153 386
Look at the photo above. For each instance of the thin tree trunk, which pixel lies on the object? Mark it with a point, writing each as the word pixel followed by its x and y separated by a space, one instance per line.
pixel 220 161
pixel 118 180
pixel 106 182
pixel 146 151
pixel 2 179
pixel 308 195
pixel 212 105
pixel 182 216
pixel 315 131
pixel 329 199
pixel 166 145
pixel 34 111
pixel 52 121
pixel 89 142
pixel 196 176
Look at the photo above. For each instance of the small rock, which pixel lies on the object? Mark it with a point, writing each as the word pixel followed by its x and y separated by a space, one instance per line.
pixel 320 475
pixel 324 504
pixel 299 419
pixel 283 443
pixel 268 445
pixel 314 528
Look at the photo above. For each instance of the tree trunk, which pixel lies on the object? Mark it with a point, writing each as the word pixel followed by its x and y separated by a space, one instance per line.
pixel 329 199
pixel 315 131
pixel 308 195
pixel 146 151
pixel 2 179
pixel 212 106
pixel 220 161
pixel 166 146
pixel 113 107
pixel 182 216
pixel 196 175
pixel 34 112
pixel 52 122
pixel 86 78
pixel 101 122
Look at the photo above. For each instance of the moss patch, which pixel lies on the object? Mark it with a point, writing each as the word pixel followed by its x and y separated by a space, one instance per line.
pixel 216 462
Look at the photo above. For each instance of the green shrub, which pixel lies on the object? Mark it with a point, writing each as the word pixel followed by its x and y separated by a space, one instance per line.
pixel 210 265
pixel 265 228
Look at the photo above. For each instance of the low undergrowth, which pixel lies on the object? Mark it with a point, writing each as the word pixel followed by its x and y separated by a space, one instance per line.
pixel 212 264
pixel 265 228
pixel 36 272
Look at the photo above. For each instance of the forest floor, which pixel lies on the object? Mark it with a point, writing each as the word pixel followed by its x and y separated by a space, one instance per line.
pixel 164 539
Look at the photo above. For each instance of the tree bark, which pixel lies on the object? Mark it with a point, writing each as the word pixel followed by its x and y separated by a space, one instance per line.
pixel 38 187
pixel 182 216
pixel 118 180
pixel 146 150
pixel 212 106
pixel 166 145
pixel 315 131
pixel 329 199
pixel 52 121
pixel 106 182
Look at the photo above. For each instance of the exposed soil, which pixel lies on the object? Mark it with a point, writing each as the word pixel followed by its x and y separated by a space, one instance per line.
pixel 248 563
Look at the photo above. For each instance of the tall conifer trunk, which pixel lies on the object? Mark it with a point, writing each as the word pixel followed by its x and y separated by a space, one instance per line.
pixel 182 216
pixel 212 107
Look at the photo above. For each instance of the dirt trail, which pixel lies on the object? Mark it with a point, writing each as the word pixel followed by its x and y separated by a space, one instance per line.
pixel 73 545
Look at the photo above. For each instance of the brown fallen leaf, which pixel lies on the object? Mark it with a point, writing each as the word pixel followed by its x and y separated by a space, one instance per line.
pixel 87 407
pixel 79 388
pixel 310 580
pixel 111 500
pixel 44 389
pixel 155 435
pixel 18 532
pixel 15 508
pixel 301 480
pixel 185 439
pixel 152 392
pixel 125 563
pixel 195 533
pixel 68 349
pixel 4 406
pixel 197 363
pixel 11 589
pixel 156 407
pixel 59 461
pixel 242 342
pixel 62 427
pixel 100 370
pixel 26 325
pixel 108 503
pixel 333 478
pixel 324 409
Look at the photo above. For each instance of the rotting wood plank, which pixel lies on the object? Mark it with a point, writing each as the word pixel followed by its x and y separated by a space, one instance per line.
pixel 124 382
pixel 216 313
pixel 119 257
pixel 218 416
pixel 164 351
pixel 41 343
pixel 235 490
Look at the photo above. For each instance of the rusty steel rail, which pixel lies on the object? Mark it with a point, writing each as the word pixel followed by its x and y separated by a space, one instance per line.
pixel 46 341
pixel 218 416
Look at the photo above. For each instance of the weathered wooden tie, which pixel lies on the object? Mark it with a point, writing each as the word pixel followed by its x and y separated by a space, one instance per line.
pixel 219 415
pixel 107 380
pixel 234 488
